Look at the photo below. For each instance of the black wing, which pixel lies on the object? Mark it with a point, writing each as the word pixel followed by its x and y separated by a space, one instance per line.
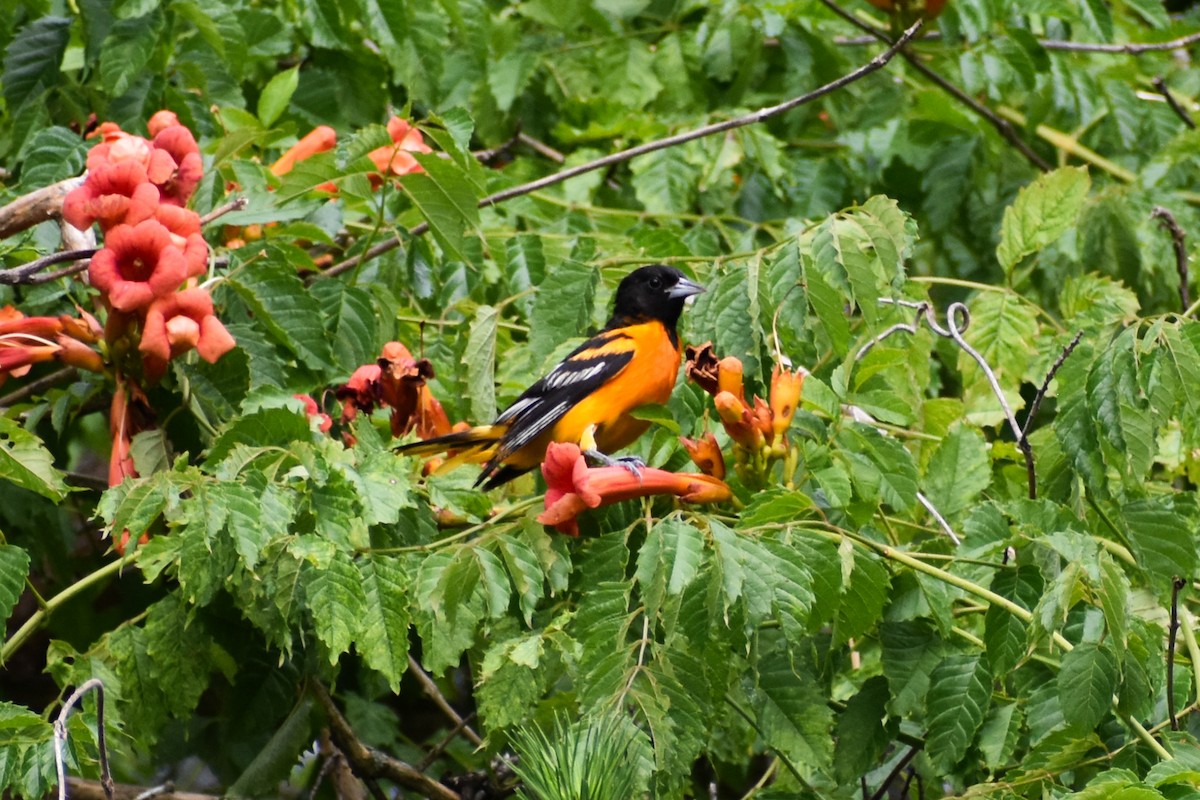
pixel 544 403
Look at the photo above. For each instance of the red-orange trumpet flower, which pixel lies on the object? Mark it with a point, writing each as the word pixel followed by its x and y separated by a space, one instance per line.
pixel 573 486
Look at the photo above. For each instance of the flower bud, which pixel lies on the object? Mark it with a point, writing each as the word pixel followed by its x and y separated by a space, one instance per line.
pixel 705 454
pixel 729 377
pixel 737 421
pixel 785 396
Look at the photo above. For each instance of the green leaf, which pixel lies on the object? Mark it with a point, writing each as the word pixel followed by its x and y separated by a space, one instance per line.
pixel 14 567
pixel 1086 684
pixel 1043 211
pixel 352 322
pixel 284 306
pixel 1000 733
pixel 664 181
pixel 792 713
pixel 446 199
pixel 563 306
pixel 1098 18
pixel 337 600
pixel 1162 540
pixel 668 561
pixel 959 693
pixel 25 461
pixel 263 428
pixel 882 469
pixel 32 59
pixel 277 758
pixel 383 640
pixel 861 733
pixel 480 359
pixel 276 95
pixel 958 471
pixel 127 50
pixel 1005 634
pixel 1004 331
pixel 55 153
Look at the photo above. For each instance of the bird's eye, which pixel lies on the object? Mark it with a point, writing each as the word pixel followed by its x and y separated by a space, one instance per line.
pixel 656 282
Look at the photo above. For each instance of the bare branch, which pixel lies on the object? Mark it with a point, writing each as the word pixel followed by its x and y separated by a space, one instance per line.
pixel 1023 440
pixel 1181 256
pixel 81 789
pixel 236 204
pixel 1002 126
pixel 370 764
pixel 1175 105
pixel 441 702
pixel 35 207
pixel 876 63
pixel 36 387
pixel 937 515
pixel 1177 583
pixel 60 738
pixel 896 770
pixel 23 274
pixel 1132 49
pixel 541 148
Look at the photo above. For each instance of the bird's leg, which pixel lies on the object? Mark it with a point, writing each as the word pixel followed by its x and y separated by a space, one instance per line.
pixel 587 443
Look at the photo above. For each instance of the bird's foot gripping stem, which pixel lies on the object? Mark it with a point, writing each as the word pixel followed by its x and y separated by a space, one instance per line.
pixel 634 464
pixel 587 443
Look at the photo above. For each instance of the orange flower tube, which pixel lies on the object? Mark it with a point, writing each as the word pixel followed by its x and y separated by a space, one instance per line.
pixel 573 486
pixel 318 140
pixel 705 454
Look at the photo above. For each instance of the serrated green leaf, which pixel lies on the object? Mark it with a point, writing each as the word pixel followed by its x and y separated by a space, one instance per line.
pixel 1162 540
pixel 352 322
pixel 480 360
pixel 664 181
pixel 383 638
pixel 959 695
pixel 1043 211
pixel 999 734
pixel 25 461
pixel 792 714
pixel 958 471
pixel 1086 684
pixel 14 568
pixel 264 428
pixel 127 50
pixel 1005 634
pixel 286 309
pixel 563 305
pixel 911 650
pixel 337 601
pixel 54 154
pixel 32 59
pixel 861 733
pixel 446 199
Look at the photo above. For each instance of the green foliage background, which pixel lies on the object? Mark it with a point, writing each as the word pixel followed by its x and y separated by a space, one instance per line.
pixel 814 634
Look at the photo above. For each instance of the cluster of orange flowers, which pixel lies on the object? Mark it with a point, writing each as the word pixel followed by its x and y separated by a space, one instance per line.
pixel 758 428
pixel 394 160
pixel 25 341
pixel 136 190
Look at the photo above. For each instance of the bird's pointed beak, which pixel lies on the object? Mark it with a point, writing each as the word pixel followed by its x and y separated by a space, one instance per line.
pixel 684 288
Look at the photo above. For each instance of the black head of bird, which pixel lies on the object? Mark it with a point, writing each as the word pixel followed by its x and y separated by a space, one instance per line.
pixel 656 292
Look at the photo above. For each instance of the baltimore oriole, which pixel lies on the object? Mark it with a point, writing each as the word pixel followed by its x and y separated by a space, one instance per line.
pixel 587 397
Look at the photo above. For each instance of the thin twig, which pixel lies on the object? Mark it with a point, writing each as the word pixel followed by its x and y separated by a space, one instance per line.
pixel 60 737
pixel 1175 105
pixel 1178 238
pixel 40 385
pixel 937 515
pixel 236 204
pixel 369 763
pixel 1133 48
pixel 441 746
pixel 1177 583
pixel 440 700
pixel 74 269
pixel 19 275
pixel 1023 440
pixel 876 63
pixel 896 770
pixel 1002 126
pixel 81 789
pixel 541 148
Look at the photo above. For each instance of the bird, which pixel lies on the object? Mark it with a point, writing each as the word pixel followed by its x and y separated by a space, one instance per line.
pixel 586 399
